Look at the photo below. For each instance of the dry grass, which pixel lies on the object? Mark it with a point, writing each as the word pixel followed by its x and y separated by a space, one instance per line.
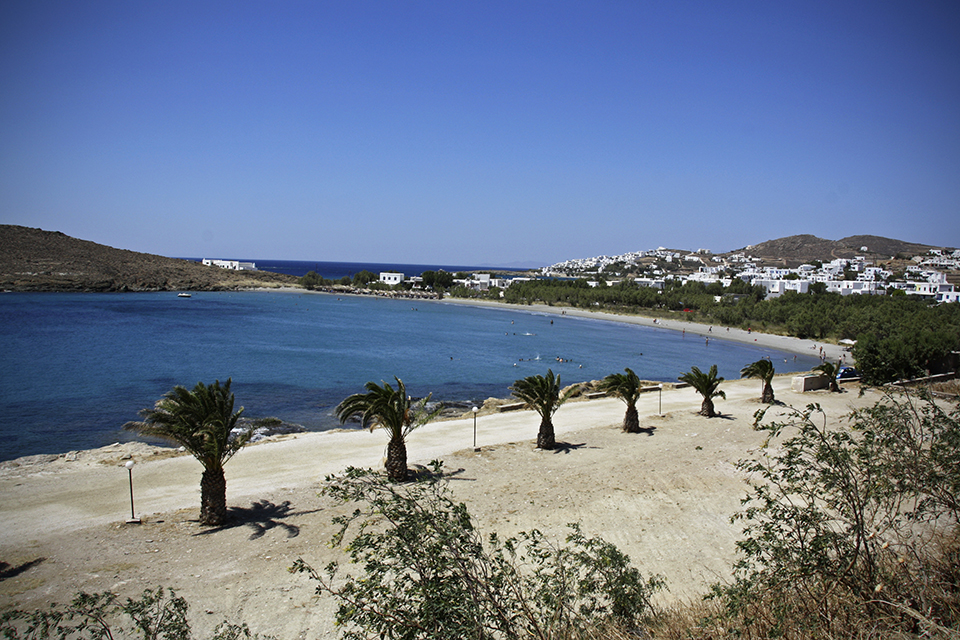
pixel 924 604
pixel 949 387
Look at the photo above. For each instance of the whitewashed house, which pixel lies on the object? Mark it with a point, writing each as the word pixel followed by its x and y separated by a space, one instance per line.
pixel 232 265
pixel 391 277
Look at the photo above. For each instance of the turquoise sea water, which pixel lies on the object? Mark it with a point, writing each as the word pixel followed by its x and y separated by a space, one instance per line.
pixel 75 367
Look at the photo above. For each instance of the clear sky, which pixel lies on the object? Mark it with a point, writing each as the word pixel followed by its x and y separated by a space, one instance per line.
pixel 478 132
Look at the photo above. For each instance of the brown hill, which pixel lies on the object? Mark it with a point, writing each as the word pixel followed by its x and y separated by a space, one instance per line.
pixel 793 251
pixel 37 260
pixel 886 246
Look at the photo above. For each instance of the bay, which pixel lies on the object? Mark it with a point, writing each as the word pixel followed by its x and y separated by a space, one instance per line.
pixel 75 367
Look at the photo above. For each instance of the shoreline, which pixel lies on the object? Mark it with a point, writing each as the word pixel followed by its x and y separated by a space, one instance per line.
pixel 782 343
pixel 664 497
pixel 791 344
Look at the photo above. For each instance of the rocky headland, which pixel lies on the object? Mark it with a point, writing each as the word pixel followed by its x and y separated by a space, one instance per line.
pixel 38 260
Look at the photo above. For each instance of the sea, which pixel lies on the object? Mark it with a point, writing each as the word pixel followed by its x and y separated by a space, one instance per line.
pixel 76 366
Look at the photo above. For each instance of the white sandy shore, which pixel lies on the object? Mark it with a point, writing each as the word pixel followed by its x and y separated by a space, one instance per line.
pixel 665 497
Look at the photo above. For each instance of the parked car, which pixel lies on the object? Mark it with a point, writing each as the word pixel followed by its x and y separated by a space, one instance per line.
pixel 847 372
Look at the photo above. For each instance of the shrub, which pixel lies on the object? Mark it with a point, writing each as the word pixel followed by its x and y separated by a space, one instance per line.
pixel 851 531
pixel 427 572
pixel 156 615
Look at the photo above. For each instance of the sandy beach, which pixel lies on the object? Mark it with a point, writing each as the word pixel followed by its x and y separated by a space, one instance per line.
pixel 665 497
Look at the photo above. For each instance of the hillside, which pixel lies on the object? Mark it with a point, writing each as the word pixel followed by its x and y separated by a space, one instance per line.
pixel 793 251
pixel 37 260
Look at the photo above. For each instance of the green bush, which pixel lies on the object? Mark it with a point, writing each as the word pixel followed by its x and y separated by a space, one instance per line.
pixel 851 530
pixel 427 572
pixel 156 615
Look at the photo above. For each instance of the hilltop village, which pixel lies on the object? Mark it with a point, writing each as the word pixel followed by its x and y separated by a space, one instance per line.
pixel 922 275
pixel 928 275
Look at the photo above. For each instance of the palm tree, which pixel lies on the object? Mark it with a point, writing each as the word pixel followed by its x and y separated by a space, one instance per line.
pixel 706 385
pixel 762 369
pixel 625 386
pixel 392 409
pixel 830 371
pixel 201 421
pixel 542 394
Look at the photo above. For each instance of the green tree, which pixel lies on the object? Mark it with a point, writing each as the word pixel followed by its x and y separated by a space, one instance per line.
pixel 542 394
pixel 763 370
pixel 364 278
pixel 706 384
pixel 393 410
pixel 311 280
pixel 202 421
pixel 437 279
pixel 625 386
pixel 829 371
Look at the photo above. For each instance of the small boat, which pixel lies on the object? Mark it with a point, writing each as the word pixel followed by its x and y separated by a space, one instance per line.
pixel 183 295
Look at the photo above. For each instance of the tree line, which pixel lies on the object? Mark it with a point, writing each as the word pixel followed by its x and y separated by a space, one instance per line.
pixel 897 336
pixel 435 280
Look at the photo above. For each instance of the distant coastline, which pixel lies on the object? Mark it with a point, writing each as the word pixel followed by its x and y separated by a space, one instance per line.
pixel 332 270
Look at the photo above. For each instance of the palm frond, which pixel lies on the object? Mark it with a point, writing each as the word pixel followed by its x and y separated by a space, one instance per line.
pixel 200 420
pixel 386 407
pixel 625 386
pixel 704 383
pixel 541 393
pixel 762 369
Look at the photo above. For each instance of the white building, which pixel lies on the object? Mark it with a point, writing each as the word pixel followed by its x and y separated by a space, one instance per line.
pixel 848 287
pixel 776 288
pixel 652 283
pixel 233 265
pixel 391 277
pixel 939 291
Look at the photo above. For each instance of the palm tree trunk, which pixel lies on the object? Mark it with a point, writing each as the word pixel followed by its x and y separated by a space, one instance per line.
pixel 706 409
pixel 396 464
pixel 767 396
pixel 546 438
pixel 631 421
pixel 213 497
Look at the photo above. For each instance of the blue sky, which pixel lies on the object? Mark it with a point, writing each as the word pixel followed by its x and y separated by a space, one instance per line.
pixel 488 133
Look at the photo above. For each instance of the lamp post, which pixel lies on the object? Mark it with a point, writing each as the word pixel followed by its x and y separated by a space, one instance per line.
pixel 660 399
pixel 133 516
pixel 475 411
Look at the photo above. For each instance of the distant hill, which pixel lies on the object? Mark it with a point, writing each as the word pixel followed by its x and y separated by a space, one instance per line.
pixel 793 251
pixel 885 246
pixel 37 260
